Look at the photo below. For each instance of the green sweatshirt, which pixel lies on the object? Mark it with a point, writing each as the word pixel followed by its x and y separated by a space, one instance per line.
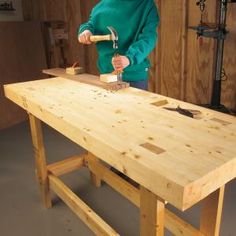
pixel 135 22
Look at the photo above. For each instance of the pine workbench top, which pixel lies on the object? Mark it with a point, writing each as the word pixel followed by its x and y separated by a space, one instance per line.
pixel 180 159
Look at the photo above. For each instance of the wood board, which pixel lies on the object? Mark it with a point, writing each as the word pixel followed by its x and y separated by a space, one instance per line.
pixel 114 126
pixel 87 79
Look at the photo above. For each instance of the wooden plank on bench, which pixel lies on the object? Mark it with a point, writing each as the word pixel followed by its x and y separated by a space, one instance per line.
pixel 87 79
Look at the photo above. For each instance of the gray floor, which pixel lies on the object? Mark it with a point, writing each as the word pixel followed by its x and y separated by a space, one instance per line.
pixel 22 213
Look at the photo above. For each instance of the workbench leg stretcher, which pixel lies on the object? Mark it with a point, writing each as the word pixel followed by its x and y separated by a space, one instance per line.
pixel 154 217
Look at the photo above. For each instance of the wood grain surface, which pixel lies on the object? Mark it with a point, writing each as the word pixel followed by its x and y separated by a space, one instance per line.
pixel 194 158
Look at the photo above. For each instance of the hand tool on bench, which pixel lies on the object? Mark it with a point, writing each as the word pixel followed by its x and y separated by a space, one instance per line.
pixel 186 112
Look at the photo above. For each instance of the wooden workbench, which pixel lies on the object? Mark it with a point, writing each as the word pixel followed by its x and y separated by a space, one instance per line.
pixel 174 158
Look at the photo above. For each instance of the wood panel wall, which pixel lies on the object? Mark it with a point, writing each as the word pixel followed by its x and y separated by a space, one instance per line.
pixel 22 58
pixel 68 11
pixel 229 86
pixel 187 64
pixel 182 66
pixel 90 51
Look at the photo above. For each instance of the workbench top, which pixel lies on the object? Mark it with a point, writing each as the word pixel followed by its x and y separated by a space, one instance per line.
pixel 180 159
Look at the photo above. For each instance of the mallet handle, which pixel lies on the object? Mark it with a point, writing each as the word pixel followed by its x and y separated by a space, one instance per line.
pixel 97 38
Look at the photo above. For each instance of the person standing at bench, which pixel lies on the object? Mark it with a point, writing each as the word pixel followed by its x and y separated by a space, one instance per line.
pixel 135 22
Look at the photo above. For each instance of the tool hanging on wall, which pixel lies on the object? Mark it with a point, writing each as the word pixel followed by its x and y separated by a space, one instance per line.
pixel 6 6
pixel 56 41
pixel 202 6
pixel 219 32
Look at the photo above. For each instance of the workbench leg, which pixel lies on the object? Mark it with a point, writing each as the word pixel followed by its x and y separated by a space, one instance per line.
pixel 211 213
pixel 40 159
pixel 95 179
pixel 152 213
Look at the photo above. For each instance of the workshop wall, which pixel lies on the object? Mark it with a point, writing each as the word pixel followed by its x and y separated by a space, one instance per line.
pixel 59 10
pixel 229 86
pixel 182 65
pixel 22 58
pixel 15 15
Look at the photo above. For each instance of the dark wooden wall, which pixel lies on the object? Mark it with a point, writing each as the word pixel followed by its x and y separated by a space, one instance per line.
pixel 68 11
pixel 22 58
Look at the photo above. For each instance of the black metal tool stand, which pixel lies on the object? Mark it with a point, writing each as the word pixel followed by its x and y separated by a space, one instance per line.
pixel 219 33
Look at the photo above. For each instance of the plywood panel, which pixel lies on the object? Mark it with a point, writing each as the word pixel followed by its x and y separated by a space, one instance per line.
pixel 171 60
pixel 76 51
pixel 200 57
pixel 229 86
pixel 90 51
pixel 154 57
pixel 21 59
pixel 59 10
pixel 32 9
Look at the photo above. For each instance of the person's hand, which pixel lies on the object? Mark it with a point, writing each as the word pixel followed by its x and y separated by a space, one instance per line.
pixel 120 62
pixel 84 37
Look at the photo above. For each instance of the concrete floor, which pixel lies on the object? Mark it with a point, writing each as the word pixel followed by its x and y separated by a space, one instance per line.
pixel 22 213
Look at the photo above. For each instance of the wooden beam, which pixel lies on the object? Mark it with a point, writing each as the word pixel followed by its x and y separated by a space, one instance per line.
pixel 95 177
pixel 83 78
pixel 100 172
pixel 172 222
pixel 67 165
pixel 39 153
pixel 86 214
pixel 152 214
pixel 211 213
pixel 179 227
pixel 115 181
